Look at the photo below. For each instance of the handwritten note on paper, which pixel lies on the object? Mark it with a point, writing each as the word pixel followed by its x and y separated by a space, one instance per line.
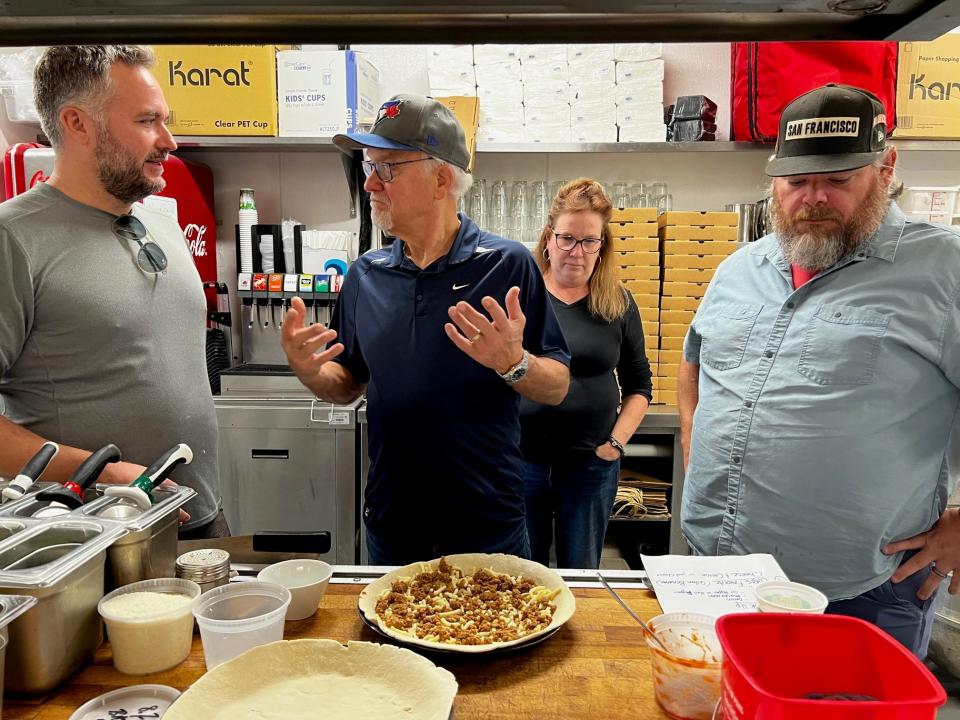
pixel 709 585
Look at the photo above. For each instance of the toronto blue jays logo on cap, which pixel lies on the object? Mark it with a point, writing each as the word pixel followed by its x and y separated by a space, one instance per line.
pixel 389 110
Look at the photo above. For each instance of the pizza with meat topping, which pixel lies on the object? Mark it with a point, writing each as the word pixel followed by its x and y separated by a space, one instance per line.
pixel 470 602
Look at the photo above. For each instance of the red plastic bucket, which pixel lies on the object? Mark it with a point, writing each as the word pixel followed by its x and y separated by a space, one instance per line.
pixel 772 661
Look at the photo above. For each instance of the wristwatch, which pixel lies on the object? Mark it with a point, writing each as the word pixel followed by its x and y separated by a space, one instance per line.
pixel 518 371
pixel 617 445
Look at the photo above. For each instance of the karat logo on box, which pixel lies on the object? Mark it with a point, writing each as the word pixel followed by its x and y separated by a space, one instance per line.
pixel 203 77
pixel 932 90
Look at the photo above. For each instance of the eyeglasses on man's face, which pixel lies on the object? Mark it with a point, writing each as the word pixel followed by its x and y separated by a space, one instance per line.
pixel 568 242
pixel 384 170
pixel 150 257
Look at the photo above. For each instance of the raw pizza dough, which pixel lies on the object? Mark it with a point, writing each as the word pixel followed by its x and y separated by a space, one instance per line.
pixel 565 603
pixel 314 679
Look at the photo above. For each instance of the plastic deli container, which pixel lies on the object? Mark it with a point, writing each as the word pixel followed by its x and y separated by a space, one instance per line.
pixel 146 640
pixel 686 680
pixel 826 667
pixel 234 618
pixel 789 597
pixel 129 702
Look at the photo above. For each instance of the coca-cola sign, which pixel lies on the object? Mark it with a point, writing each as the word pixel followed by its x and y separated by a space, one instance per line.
pixel 194 234
pixel 38 177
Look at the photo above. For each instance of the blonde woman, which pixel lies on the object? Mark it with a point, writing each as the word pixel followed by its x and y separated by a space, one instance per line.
pixel 572 451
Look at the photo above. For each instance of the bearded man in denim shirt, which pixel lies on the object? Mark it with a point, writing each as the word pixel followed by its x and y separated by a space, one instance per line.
pixel 820 387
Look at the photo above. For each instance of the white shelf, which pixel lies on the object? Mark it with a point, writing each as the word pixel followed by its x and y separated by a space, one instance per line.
pixel 298 144
pixel 647 147
pixel 204 143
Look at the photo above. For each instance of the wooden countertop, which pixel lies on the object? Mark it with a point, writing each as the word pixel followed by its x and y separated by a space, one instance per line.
pixel 596 666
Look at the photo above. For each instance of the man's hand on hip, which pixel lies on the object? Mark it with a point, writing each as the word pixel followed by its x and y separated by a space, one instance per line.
pixel 938 548
pixel 496 343
pixel 301 343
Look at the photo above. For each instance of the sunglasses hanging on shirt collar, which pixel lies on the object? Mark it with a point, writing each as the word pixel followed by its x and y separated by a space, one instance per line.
pixel 150 257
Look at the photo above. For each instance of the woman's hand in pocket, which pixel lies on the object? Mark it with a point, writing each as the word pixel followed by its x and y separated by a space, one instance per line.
pixel 607 452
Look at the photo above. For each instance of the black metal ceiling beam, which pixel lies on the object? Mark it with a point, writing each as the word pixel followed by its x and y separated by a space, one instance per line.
pixel 921 20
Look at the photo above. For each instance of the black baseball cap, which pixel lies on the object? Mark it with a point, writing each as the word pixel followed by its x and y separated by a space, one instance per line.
pixel 830 129
pixel 413 122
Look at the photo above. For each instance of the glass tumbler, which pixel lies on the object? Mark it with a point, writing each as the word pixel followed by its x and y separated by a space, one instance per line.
pixel 479 205
pixel 539 208
pixel 499 209
pixel 620 195
pixel 555 188
pixel 519 204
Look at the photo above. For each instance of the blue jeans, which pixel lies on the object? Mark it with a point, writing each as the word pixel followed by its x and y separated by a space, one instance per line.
pixel 406 550
pixel 896 609
pixel 571 500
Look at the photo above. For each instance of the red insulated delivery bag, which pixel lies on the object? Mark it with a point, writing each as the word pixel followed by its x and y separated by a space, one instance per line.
pixel 766 76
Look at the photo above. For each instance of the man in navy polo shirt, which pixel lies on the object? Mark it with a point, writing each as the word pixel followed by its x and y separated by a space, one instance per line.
pixel 443 378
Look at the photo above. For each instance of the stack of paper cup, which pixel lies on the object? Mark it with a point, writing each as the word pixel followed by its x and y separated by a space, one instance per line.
pixel 247 219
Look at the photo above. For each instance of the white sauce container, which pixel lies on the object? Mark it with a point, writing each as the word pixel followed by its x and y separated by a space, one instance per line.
pixel 150 642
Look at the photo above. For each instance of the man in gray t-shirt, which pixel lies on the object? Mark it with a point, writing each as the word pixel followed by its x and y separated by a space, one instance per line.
pixel 102 312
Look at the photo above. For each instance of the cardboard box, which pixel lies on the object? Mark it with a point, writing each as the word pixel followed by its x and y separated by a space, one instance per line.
pixel 671 357
pixel 623 259
pixel 697 275
pixel 677 316
pixel 651 244
pixel 219 89
pixel 633 229
pixel 467 111
pixel 679 303
pixel 651 328
pixel 698 217
pixel 684 289
pixel 928 89
pixel 667 383
pixel 693 247
pixel 652 357
pixel 640 215
pixel 673 330
pixel 696 232
pixel 692 261
pixel 646 287
pixel 651 341
pixel 647 301
pixel 639 272
pixel 669 370
pixel 325 92
pixel 668 397
pixel 649 314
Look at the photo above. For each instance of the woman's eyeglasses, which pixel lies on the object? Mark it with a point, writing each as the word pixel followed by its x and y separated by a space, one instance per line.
pixel 569 242
pixel 150 257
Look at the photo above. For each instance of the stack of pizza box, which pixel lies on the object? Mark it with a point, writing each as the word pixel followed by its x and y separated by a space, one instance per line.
pixel 636 252
pixel 692 245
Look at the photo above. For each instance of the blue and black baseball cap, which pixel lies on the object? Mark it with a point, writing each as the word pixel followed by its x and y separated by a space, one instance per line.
pixel 414 123
pixel 831 129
